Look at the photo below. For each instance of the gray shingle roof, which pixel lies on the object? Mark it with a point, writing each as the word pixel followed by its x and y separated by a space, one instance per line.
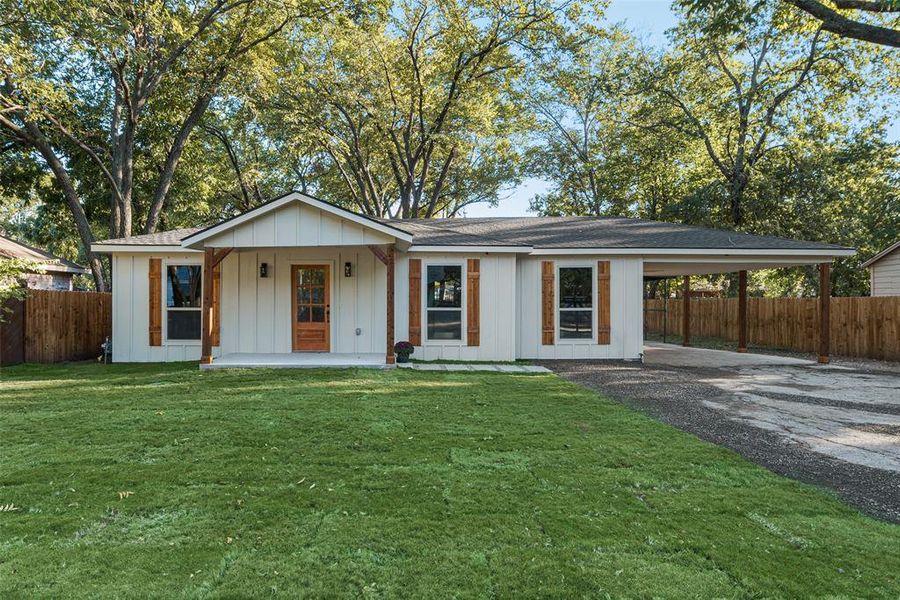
pixel 548 233
pixel 11 248
pixel 590 232
pixel 172 237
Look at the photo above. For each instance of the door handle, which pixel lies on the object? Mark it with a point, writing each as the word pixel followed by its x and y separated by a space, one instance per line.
pixel 327 313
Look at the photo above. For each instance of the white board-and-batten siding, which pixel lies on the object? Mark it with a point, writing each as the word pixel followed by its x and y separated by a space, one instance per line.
pixel 884 275
pixel 297 225
pixel 131 310
pixel 626 306
pixel 256 311
pixel 497 283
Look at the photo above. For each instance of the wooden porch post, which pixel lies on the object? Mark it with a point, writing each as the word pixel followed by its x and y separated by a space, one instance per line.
pixel 206 307
pixel 824 312
pixel 390 304
pixel 742 311
pixel 686 312
pixel 386 256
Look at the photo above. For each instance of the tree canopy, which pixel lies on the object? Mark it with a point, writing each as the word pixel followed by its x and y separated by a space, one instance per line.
pixel 123 118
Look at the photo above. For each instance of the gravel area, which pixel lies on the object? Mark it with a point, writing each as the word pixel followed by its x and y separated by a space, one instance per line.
pixel 838 428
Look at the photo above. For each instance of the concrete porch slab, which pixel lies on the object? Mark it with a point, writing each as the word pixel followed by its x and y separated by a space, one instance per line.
pixel 298 360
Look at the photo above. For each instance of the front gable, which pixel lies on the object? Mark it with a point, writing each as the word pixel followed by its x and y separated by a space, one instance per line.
pixel 296 220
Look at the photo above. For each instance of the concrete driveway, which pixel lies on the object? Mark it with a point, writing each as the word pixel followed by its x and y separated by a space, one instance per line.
pixel 831 425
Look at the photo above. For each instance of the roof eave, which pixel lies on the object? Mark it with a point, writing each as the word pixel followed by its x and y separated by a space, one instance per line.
pixel 823 252
pixel 134 248
pixel 881 254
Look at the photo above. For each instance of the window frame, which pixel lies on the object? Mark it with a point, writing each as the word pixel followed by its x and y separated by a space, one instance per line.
pixel 591 339
pixel 164 292
pixel 463 315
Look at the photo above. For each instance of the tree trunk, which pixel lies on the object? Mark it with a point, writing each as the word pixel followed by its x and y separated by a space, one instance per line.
pixel 72 200
pixel 736 198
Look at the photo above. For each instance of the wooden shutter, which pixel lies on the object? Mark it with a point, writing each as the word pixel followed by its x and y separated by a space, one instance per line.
pixel 603 315
pixel 473 304
pixel 415 302
pixel 155 301
pixel 547 304
pixel 217 284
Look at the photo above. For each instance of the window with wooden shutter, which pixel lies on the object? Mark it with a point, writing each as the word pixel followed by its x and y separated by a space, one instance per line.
pixel 155 301
pixel 603 313
pixel 415 302
pixel 473 304
pixel 548 310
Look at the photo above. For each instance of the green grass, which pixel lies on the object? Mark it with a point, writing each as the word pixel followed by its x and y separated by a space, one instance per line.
pixel 394 484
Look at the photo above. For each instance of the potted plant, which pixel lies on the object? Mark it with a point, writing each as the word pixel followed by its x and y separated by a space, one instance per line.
pixel 403 350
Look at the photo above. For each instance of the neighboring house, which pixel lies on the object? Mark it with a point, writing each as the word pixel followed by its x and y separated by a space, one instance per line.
pixel 301 275
pixel 884 271
pixel 50 273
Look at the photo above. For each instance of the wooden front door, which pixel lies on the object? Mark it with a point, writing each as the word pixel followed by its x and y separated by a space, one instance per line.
pixel 311 291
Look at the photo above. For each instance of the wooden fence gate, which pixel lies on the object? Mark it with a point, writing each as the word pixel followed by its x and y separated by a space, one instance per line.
pixel 55 326
pixel 867 327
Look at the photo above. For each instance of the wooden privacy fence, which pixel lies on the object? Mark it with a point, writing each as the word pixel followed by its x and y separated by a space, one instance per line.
pixel 862 327
pixel 56 326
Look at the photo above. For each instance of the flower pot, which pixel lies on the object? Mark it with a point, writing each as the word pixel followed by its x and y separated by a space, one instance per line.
pixel 403 358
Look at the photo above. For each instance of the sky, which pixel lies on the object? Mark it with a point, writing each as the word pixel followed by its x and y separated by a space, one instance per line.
pixel 649 20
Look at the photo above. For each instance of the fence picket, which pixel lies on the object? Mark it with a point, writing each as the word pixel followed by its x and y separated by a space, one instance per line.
pixel 860 326
pixel 63 325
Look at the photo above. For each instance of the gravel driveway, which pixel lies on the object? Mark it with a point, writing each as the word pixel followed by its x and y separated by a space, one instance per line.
pixel 834 426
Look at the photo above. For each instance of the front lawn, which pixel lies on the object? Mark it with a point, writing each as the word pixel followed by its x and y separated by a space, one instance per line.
pixel 166 481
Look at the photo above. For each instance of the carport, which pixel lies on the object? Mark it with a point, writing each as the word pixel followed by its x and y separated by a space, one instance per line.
pixel 706 261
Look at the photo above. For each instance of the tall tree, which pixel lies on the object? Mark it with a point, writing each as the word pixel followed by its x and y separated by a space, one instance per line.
pixel 873 21
pixel 591 147
pixel 742 93
pixel 414 111
pixel 84 81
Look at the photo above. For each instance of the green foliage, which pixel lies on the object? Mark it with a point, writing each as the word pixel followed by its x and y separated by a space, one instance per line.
pixel 762 126
pixel 412 113
pixel 11 272
pixel 751 119
pixel 163 481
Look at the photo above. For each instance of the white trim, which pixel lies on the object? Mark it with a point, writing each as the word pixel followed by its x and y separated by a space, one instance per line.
pixel 164 301
pixel 140 248
pixel 881 254
pixel 463 315
pixel 472 249
pixel 56 268
pixel 713 254
pixel 195 239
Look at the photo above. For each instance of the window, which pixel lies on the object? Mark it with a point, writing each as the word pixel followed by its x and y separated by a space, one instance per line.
pixel 443 302
pixel 183 302
pixel 576 295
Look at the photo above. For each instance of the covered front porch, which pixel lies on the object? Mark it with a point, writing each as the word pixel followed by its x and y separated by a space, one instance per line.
pixel 296 283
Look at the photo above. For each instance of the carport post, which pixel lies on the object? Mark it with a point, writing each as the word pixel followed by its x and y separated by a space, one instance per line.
pixel 686 312
pixel 824 312
pixel 742 311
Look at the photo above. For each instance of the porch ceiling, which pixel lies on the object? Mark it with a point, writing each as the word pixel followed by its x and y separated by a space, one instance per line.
pixel 710 265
